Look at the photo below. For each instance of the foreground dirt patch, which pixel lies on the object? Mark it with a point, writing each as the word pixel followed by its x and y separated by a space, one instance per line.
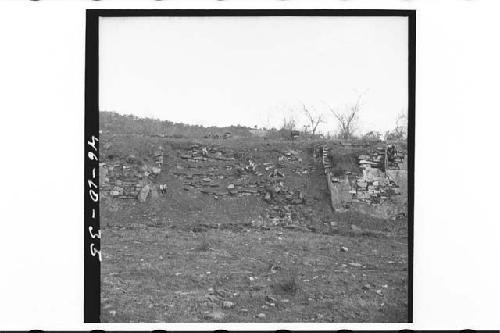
pixel 155 274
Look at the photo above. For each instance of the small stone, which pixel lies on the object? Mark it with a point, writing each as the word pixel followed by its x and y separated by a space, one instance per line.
pixel 270 299
pixel 366 286
pixel 144 193
pixel 112 312
pixel 216 315
pixel 227 305
pixel 343 249
pixel 230 186
pixel 355 264
pixel 379 292
pixel 261 315
pixel 355 228
pixel 385 286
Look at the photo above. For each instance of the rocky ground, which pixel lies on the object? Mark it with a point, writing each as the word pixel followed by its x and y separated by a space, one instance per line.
pixel 245 233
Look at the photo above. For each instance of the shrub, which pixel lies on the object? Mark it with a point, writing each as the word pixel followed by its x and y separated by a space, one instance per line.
pixel 286 282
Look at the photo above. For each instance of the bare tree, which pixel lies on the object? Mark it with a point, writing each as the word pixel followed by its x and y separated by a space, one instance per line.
pixel 347 120
pixel 313 118
pixel 400 132
pixel 289 123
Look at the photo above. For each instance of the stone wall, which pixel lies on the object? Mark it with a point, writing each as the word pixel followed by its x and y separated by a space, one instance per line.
pixel 128 179
pixel 381 189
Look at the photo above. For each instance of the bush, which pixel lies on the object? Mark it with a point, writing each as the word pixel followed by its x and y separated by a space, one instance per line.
pixel 286 282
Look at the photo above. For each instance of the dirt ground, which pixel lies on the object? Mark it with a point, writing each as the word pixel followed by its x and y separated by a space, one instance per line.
pixel 193 257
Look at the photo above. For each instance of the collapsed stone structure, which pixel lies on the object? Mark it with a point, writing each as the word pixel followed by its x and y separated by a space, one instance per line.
pixel 381 189
pixel 211 170
pixel 129 178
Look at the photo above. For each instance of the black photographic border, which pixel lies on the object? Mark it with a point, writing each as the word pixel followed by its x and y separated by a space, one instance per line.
pixel 92 267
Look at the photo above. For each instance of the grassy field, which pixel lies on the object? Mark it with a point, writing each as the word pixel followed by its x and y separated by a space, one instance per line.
pixel 190 257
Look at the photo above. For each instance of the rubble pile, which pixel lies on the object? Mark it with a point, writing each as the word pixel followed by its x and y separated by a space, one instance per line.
pixel 219 172
pixel 197 153
pixel 225 174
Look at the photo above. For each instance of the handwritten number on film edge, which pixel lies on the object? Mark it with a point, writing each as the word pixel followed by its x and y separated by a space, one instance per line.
pixel 94 196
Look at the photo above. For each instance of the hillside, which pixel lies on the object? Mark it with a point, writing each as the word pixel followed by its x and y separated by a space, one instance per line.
pixel 243 233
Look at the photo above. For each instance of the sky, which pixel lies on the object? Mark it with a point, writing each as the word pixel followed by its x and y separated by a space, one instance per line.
pixel 221 71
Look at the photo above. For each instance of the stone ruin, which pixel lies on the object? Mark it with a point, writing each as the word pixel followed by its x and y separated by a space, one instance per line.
pixel 380 191
pixel 130 178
